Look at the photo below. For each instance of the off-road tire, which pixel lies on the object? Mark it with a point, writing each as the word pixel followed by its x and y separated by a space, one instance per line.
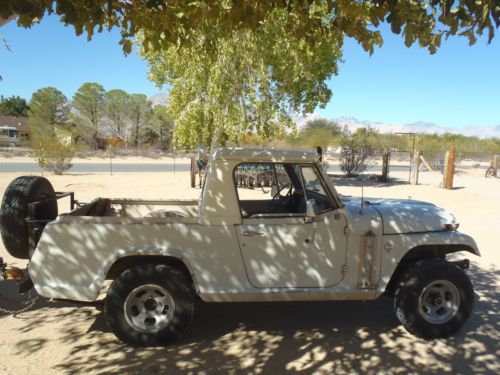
pixel 413 283
pixel 167 277
pixel 14 210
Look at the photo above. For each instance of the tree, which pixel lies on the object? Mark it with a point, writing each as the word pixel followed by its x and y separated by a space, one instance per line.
pixel 13 106
pixel 49 110
pixel 324 124
pixel 51 134
pixel 357 150
pixel 90 104
pixel 117 108
pixel 140 111
pixel 180 22
pixel 253 82
pixel 160 127
pixel 317 132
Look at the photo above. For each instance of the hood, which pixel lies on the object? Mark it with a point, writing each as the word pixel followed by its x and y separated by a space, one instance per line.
pixel 404 215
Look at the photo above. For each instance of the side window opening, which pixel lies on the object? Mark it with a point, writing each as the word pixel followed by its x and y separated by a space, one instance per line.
pixel 267 189
pixel 279 189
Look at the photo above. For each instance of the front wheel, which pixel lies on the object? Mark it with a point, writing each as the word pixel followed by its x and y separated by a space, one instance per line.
pixel 434 299
pixel 149 305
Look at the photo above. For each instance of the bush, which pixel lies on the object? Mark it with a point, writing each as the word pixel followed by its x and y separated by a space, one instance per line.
pixel 52 154
pixel 356 153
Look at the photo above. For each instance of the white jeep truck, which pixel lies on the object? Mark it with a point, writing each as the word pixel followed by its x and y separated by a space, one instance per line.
pixel 297 241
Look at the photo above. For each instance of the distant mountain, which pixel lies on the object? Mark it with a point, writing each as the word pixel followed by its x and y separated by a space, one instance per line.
pixel 353 123
pixel 159 99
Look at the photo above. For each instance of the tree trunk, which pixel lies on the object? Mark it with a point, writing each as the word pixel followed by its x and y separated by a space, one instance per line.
pixel 217 135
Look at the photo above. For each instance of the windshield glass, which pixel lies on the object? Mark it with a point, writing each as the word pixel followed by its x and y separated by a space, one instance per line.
pixel 312 182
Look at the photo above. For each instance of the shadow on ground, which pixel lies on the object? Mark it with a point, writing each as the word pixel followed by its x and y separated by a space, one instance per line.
pixel 274 338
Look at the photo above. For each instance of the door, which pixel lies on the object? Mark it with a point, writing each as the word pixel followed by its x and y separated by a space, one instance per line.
pixel 284 250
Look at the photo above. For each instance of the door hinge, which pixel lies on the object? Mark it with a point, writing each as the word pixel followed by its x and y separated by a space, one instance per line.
pixel 346 230
pixel 344 269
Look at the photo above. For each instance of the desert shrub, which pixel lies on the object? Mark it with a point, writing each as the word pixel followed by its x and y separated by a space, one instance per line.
pixel 52 154
pixel 357 152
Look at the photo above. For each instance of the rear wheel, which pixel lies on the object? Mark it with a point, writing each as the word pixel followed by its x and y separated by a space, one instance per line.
pixel 14 211
pixel 149 305
pixel 434 299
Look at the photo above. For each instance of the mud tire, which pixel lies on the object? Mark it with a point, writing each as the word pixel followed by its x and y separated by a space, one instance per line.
pixel 165 277
pixel 14 210
pixel 411 289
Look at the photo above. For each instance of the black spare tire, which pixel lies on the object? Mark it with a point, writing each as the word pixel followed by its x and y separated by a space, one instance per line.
pixel 14 211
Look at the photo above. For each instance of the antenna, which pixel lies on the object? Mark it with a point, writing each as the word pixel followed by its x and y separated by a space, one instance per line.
pixel 361 211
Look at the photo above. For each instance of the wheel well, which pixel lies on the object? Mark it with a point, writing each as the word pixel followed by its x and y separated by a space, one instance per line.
pixel 126 262
pixel 419 253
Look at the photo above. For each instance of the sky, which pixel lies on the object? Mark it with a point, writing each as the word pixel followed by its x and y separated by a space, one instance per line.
pixel 458 86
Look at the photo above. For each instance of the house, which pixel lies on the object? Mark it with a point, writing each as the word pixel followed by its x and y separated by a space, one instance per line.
pixel 20 123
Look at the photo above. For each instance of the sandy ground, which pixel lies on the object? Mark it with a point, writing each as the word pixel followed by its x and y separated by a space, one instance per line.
pixel 270 338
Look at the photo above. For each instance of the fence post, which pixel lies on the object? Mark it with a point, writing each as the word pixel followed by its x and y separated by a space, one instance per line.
pixel 385 166
pixel 449 169
pixel 416 167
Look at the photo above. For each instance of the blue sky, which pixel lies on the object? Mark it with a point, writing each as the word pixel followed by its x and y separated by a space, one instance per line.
pixel 459 86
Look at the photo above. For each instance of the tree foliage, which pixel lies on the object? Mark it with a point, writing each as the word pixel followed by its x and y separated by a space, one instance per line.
pixel 317 132
pixel 13 106
pixel 139 114
pixel 49 110
pixel 90 104
pixel 160 127
pixel 254 81
pixel 117 108
pixel 51 135
pixel 178 23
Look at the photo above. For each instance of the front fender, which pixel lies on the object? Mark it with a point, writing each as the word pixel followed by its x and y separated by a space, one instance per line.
pixel 400 250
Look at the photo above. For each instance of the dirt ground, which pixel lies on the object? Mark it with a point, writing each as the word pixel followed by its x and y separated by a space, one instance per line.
pixel 270 338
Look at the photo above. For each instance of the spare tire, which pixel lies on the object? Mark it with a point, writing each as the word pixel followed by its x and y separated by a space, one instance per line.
pixel 14 211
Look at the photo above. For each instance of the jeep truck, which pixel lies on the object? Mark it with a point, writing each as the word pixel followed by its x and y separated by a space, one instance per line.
pixel 299 240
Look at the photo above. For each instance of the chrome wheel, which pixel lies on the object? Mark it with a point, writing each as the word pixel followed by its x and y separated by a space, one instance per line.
pixel 439 302
pixel 149 308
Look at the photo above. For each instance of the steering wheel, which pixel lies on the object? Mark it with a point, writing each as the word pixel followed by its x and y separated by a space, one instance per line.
pixel 277 196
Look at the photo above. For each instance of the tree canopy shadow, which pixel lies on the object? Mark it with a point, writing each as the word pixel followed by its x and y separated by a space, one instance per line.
pixel 270 338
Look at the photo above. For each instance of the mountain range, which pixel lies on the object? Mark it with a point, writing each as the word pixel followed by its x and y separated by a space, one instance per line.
pixel 353 123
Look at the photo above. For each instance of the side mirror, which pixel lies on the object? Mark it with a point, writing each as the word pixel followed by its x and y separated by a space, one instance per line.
pixel 310 212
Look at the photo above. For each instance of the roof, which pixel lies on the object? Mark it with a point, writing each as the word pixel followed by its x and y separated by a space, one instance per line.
pixel 20 123
pixel 263 155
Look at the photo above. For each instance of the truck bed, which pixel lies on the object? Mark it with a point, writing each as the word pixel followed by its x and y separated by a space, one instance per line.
pixel 153 210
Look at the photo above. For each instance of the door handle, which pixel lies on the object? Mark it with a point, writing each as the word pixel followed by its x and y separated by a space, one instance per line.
pixel 249 233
